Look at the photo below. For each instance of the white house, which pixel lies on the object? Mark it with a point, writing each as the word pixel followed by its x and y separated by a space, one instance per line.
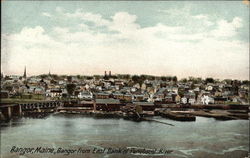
pixel 85 95
pixel 206 100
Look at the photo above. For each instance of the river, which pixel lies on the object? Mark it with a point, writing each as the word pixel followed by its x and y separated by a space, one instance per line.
pixel 206 137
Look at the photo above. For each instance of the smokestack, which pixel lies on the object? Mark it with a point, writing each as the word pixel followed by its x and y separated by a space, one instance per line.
pixel 24 74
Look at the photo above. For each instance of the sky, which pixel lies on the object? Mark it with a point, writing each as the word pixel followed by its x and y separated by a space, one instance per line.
pixel 163 38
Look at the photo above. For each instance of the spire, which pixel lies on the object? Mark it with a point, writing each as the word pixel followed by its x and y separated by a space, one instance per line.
pixel 24 74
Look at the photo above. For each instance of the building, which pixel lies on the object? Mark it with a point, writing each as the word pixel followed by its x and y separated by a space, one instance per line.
pixel 107 104
pixel 146 106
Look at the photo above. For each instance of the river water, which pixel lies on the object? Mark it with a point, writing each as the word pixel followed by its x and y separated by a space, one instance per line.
pixel 206 137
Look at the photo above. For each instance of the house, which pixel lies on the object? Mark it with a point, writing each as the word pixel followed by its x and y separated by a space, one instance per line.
pixel 133 89
pixel 54 93
pixel 177 99
pixel 138 97
pixel 102 95
pixel 143 86
pixel 123 97
pixel 127 97
pixel 4 94
pixel 184 100
pixel 137 86
pixel 243 93
pixel 118 95
pixel 39 90
pixel 169 98
pixel 217 94
pixel 190 97
pixel 62 82
pixel 118 82
pixel 220 100
pixel 207 100
pixel 85 95
pixel 172 89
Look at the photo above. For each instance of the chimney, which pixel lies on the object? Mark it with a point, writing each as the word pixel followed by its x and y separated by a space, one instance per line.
pixel 24 74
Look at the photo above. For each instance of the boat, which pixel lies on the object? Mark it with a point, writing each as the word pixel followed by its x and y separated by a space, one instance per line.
pixel 178 117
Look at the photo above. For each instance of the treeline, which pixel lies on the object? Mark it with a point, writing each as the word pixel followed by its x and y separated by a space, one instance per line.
pixel 143 77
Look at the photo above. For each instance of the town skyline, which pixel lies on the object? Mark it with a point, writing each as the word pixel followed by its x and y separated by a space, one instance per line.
pixel 110 73
pixel 165 38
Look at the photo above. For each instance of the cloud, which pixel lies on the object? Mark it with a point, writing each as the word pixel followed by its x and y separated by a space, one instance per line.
pixel 201 16
pixel 124 23
pixel 227 29
pixel 87 16
pixel 59 10
pixel 159 49
pixel 46 14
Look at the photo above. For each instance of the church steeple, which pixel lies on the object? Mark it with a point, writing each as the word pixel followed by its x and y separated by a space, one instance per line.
pixel 24 74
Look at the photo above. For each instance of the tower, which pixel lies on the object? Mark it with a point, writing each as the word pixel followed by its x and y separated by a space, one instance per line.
pixel 105 73
pixel 109 73
pixel 24 74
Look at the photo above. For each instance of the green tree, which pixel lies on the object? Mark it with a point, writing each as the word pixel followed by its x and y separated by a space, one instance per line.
pixel 70 88
pixel 97 77
pixel 174 79
pixel 181 92
pixel 184 80
pixel 69 78
pixel 209 80
pixel 246 82
pixel 78 76
pixel 163 78
pixel 138 79
pixel 135 78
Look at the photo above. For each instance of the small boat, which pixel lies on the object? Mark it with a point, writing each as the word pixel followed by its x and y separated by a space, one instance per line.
pixel 178 117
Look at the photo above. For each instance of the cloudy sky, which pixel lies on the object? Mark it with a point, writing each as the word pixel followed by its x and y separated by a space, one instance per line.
pixel 202 39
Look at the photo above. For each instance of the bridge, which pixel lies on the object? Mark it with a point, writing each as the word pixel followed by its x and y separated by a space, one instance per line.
pixel 41 105
pixel 10 110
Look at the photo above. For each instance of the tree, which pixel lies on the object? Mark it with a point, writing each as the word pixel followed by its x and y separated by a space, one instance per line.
pixel 168 78
pixel 53 81
pixel 43 76
pixel 163 78
pixel 78 77
pixel 174 79
pixel 246 82
pixel 135 78
pixel 139 79
pixel 70 88
pixel 69 78
pixel 184 80
pixel 181 92
pixel 97 77
pixel 89 77
pixel 209 80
